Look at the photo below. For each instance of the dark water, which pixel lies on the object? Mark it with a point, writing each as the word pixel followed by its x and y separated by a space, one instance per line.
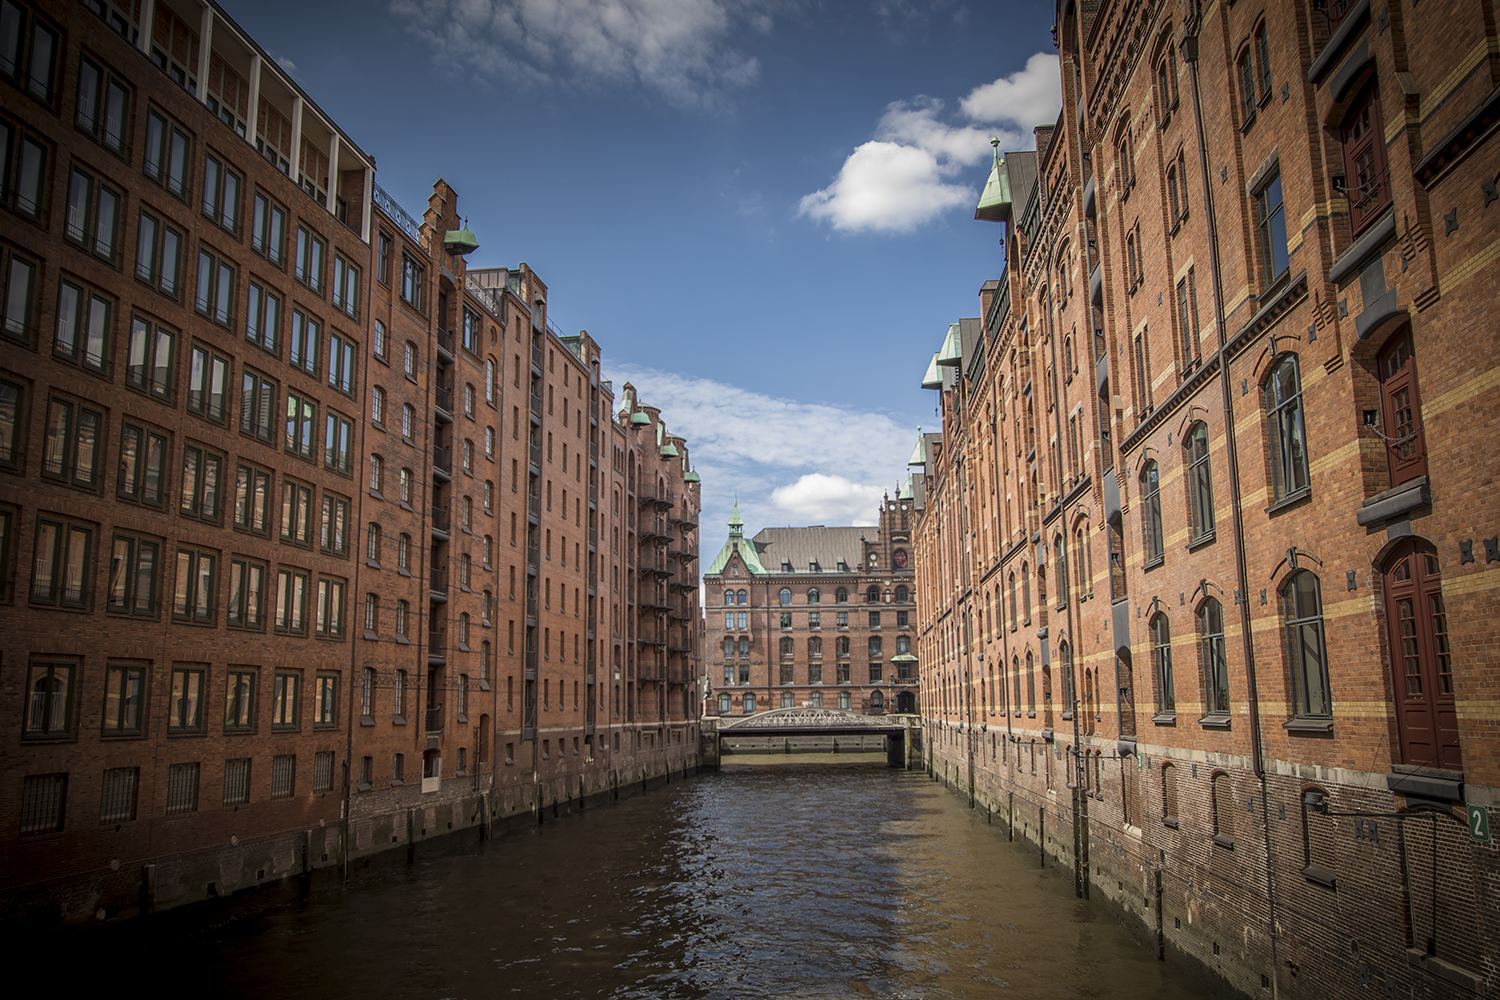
pixel 800 883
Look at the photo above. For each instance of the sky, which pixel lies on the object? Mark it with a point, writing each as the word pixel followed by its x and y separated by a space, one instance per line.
pixel 761 209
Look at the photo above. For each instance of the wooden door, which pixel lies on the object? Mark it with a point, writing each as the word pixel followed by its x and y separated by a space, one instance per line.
pixel 1421 659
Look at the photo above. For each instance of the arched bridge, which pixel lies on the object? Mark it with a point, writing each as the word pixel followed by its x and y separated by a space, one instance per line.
pixel 899 731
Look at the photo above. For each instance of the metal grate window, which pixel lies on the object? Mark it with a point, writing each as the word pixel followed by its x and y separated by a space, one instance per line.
pixel 117 801
pixel 237 781
pixel 323 771
pixel 42 797
pixel 283 776
pixel 182 788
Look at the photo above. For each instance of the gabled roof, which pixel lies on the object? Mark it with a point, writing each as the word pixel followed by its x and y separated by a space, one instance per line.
pixel 804 546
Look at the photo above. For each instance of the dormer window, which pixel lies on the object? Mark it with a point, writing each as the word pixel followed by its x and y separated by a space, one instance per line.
pixel 786 567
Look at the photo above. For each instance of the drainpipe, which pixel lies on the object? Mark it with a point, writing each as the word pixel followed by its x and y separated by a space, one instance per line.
pixel 1190 55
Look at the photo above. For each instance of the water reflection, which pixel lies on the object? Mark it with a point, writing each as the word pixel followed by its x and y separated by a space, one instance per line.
pixel 796 882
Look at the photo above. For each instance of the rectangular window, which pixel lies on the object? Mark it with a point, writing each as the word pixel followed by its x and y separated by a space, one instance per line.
pixel 326 711
pixel 239 699
pixel 158 254
pixel 237 781
pixel 383 258
pixel 330 622
pixel 83 324
pixel 143 465
pixel 63 558
pixel 296 512
pixel 285 692
pixel 42 799
pixel 323 771
pixel 303 352
pixel 378 340
pixel 197 579
pixel 208 383
pixel 49 699
pixel 202 473
pixel 221 194
pixel 1142 375
pixel 182 789
pixel 93 218
pixel 268 228
pixel 412 277
pixel 338 443
pixel 345 286
pixel 257 406
pixel 103 105
pixel 185 712
pixel 215 292
pixel 291 601
pixel 252 499
pixel 72 449
pixel 471 330
pixel 132 575
pixel 247 581
pixel 301 419
pixel 334 536
pixel 341 363
pixel 117 795
pixel 309 261
pixel 283 776
pixel 166 154
pixel 20 288
pixel 263 318
pixel 1271 215
pixel 28 177
pixel 149 358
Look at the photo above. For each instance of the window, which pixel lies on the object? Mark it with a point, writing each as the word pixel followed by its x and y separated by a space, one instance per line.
pixel 412 277
pixel 367 692
pixel 263 318
pixel 1246 68
pixel 215 293
pixel 193 598
pixel 345 286
pixel 208 383
pixel 408 420
pixel 149 358
pixel 749 703
pixel 202 472
pixel 301 418
pixel 132 575
pixel 338 437
pixel 469 333
pixel 49 709
pixel 378 340
pixel 1367 182
pixel 1263 56
pixel 1200 483
pixel 326 710
pixel 83 325
pixel 291 601
pixel 267 228
pixel 330 622
pixel 247 582
pixel 1271 219
pixel 872 596
pixel 20 288
pixel 42 800
pixel 403 548
pixel 383 258
pixel 296 512
pixel 334 536
pixel 1283 396
pixel 285 691
pixel 103 105
pixel 303 350
pixel 1161 665
pixel 1142 375
pixel 377 404
pixel 28 175
pixel 409 364
pixel 93 219
pixel 404 487
pixel 237 781
pixel 1421 657
pixel 398 695
pixel 1302 605
pixel 1187 318
pixel 258 409
pixel 62 563
pixel 308 265
pixel 221 194
pixel 846 700
pixel 1125 157
pixel 158 254
pixel 1214 662
pixel 185 711
pixel 401 607
pixel 252 499
pixel 283 776
pixel 1166 84
pixel 239 699
pixel 341 363
pixel 1151 528
pixel 182 788
pixel 1401 414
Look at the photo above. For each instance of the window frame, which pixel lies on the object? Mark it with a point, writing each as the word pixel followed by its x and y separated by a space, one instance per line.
pixel 1286 433
pixel 1213 660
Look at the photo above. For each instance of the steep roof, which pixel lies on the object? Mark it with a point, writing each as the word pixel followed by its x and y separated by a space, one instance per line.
pixel 804 546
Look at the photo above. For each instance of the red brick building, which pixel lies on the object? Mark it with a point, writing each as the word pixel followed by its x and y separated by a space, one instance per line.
pixel 300 516
pixel 1207 601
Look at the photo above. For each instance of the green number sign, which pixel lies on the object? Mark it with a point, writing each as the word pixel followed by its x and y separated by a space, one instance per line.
pixel 1479 823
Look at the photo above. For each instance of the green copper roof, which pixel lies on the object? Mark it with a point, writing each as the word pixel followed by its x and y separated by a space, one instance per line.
pixel 952 352
pixel 737 543
pixel 903 658
pixel 691 477
pixel 669 450
pixel 934 378
pixel 639 419
pixel 919 453
pixel 995 200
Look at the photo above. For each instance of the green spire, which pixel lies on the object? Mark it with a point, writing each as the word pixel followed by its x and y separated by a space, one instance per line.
pixel 995 201
pixel 736 526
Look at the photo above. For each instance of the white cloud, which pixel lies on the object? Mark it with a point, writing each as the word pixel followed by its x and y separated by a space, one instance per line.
pixel 682 49
pixel 1027 98
pixel 286 64
pixel 907 175
pixel 788 462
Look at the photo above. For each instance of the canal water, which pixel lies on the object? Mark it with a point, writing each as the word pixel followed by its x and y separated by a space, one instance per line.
pixel 805 881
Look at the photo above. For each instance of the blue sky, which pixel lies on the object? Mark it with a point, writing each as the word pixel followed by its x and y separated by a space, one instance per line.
pixel 762 210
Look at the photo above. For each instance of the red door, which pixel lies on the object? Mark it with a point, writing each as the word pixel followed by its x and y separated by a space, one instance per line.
pixel 1421 661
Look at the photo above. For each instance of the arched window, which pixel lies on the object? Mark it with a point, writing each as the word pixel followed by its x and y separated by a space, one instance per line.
pixel 1302 604
pixel 813 597
pixel 1283 394
pixel 1030 686
pixel 1169 807
pixel 786 647
pixel 1245 66
pixel 1065 657
pixel 872 595
pixel 1013 618
pixel 1401 416
pixel 728 647
pixel 1151 531
pixel 903 644
pixel 742 598
pixel 875 647
pixel 1059 560
pixel 841 596
pixel 1221 792
pixel 749 703
pixel 815 647
pixel 1421 660
pixel 901 595
pixel 372 542
pixel 785 596
pixel 744 646
pixel 843 645
pixel 1125 157
pixel 877 703
pixel 1200 482
pixel 728 597
pixel 726 704
pixel 1026 594
pixel 1212 659
pixel 1161 668
pixel 1367 185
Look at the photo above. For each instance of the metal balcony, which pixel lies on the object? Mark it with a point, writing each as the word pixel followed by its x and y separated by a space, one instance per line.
pixel 443 399
pixel 435 718
pixel 445 342
pixel 442 519
pixel 442 460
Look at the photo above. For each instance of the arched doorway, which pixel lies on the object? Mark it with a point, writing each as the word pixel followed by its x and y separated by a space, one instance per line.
pixel 1421 660
pixel 906 703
